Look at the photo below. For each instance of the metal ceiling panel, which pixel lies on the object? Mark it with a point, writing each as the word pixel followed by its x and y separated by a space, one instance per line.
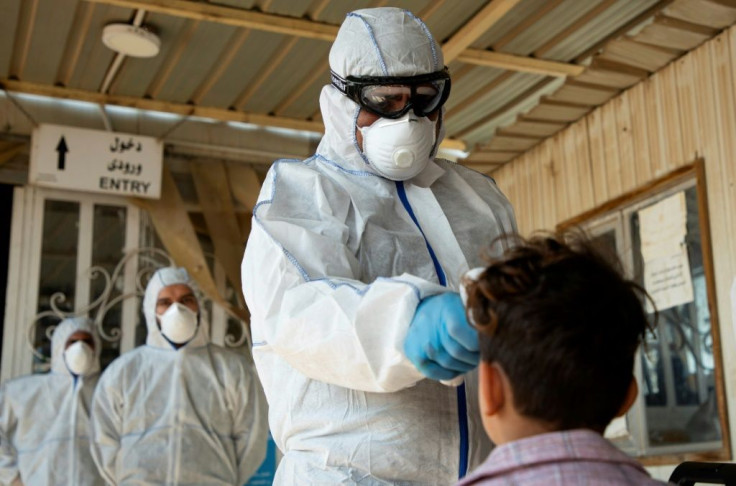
pixel 95 57
pixel 308 102
pixel 638 55
pixel 550 25
pixel 243 4
pixel 50 30
pixel 483 133
pixel 469 84
pixel 597 29
pixel 702 12
pixel 669 36
pixel 9 10
pixel 291 8
pixel 136 74
pixel 334 11
pixel 197 59
pixel 451 16
pixel 244 66
pixel 296 66
pixel 492 100
pixel 516 16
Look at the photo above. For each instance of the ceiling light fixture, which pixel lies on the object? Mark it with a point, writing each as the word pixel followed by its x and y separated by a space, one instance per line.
pixel 131 40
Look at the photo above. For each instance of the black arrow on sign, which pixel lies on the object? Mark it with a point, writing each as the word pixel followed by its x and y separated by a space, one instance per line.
pixel 62 149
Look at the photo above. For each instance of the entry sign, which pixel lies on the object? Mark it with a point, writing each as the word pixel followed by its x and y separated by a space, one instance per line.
pixel 79 159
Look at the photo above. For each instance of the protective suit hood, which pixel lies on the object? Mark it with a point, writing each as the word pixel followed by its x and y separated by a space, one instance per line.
pixel 163 278
pixel 385 41
pixel 61 334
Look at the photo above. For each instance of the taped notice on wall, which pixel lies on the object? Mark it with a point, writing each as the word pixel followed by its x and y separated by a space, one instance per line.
pixel 662 231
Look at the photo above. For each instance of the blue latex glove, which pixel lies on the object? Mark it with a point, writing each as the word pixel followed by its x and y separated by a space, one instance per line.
pixel 440 342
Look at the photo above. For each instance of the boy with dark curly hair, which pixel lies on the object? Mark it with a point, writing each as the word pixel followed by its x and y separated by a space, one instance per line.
pixel 559 328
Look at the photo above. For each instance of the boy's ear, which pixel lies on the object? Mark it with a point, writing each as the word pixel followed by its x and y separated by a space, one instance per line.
pixel 631 395
pixel 490 389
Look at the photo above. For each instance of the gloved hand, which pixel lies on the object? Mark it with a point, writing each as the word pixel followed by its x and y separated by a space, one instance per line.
pixel 440 342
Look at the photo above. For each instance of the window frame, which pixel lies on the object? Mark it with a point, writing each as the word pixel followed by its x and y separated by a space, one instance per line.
pixel 615 214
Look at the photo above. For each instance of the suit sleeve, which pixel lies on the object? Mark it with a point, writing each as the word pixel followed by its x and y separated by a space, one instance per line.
pixel 106 427
pixel 309 304
pixel 9 474
pixel 251 425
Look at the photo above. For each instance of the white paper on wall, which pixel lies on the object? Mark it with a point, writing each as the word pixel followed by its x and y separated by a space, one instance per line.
pixel 662 230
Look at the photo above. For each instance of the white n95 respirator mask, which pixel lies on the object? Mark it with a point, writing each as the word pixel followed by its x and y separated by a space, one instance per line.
pixel 399 149
pixel 79 357
pixel 178 323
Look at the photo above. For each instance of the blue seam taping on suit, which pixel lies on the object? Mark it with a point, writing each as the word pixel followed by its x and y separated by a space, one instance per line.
pixel 373 40
pixel 462 411
pixel 429 36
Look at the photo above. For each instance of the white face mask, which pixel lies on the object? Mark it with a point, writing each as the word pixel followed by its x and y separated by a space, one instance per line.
pixel 399 149
pixel 79 357
pixel 178 323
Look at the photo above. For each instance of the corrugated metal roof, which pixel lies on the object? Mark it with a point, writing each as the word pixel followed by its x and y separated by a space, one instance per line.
pixel 209 63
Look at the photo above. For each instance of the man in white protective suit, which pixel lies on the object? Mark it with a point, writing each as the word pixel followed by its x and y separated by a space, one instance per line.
pixel 178 410
pixel 44 418
pixel 352 268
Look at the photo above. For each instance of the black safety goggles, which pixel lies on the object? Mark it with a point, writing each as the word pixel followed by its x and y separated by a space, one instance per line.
pixel 393 96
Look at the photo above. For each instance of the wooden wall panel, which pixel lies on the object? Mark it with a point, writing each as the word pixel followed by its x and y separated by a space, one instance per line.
pixel 669 103
pixel 625 139
pixel 562 205
pixel 640 134
pixel 691 130
pixel 655 130
pixel 597 158
pixel 685 111
pixel 610 148
pixel 547 187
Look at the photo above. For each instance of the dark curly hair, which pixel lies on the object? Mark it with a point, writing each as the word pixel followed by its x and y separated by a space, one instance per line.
pixel 564 324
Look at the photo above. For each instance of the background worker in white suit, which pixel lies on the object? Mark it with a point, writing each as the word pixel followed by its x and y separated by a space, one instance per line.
pixel 179 410
pixel 44 418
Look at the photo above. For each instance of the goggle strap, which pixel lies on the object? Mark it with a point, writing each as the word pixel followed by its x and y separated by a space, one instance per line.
pixel 338 82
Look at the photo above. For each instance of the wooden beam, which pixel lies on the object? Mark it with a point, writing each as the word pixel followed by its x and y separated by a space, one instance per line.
pixel 685 25
pixel 177 234
pixel 236 17
pixel 163 106
pixel 244 184
pixel 211 182
pixel 180 108
pixel 453 144
pixel 476 27
pixel 10 150
pixel 519 63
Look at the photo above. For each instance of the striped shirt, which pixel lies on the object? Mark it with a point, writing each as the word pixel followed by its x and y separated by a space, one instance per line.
pixel 571 458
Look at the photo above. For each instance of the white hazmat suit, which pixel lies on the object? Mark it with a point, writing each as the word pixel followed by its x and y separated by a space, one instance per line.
pixel 192 415
pixel 44 419
pixel 337 261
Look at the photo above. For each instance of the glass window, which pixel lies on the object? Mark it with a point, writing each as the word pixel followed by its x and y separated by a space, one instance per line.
pixel 680 411
pixel 58 274
pixel 108 242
